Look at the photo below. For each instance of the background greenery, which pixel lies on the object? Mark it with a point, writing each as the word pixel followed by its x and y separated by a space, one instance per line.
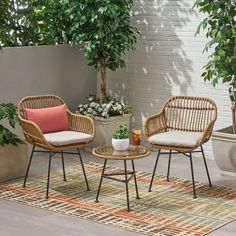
pixel 220 28
pixel 32 22
pixel 102 28
pixel 8 112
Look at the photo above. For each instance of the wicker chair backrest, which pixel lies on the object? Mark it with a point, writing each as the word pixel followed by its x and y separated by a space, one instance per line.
pixel 185 113
pixel 36 102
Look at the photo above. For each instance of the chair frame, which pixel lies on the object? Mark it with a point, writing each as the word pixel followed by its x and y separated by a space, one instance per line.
pixel 34 135
pixel 159 123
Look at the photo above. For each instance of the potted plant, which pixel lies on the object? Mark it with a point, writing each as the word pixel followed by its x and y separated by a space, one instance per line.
pixel 13 151
pixel 220 26
pixel 104 30
pixel 107 113
pixel 120 138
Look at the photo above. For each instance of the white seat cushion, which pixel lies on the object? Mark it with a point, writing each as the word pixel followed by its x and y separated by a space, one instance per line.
pixel 67 137
pixel 176 138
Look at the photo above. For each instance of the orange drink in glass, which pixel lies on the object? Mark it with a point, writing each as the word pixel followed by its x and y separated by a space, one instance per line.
pixel 136 137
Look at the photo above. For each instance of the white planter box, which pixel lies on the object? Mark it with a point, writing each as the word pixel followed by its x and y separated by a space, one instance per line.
pixel 224 150
pixel 105 128
pixel 13 161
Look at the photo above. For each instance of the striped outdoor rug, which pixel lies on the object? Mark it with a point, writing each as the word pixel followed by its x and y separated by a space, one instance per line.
pixel 169 210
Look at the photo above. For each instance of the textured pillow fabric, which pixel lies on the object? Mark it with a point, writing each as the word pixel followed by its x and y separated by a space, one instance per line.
pixel 50 119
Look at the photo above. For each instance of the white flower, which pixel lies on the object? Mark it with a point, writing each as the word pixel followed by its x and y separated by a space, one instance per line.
pixel 90 110
pixel 104 114
pixel 95 108
pixel 92 104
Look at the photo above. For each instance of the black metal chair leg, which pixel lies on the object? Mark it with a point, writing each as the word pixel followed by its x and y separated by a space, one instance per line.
pixel 168 171
pixel 63 166
pixel 82 164
pixel 135 180
pixel 27 171
pixel 100 183
pixel 49 168
pixel 193 182
pixel 126 186
pixel 208 175
pixel 154 170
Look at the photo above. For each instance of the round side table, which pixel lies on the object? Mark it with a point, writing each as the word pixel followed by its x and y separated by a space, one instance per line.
pixel 132 153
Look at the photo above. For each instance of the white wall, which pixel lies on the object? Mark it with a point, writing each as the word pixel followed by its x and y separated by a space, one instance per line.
pixel 60 70
pixel 168 61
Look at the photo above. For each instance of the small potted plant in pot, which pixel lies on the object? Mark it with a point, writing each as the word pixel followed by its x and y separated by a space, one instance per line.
pixel 120 139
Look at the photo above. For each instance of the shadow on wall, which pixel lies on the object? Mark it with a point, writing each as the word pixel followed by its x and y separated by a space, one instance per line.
pixel 160 67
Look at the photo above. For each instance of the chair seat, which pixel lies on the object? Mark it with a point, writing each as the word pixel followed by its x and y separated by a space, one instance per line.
pixel 67 137
pixel 176 138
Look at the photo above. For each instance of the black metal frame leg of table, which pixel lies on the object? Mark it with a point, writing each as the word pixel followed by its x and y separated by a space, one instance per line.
pixel 135 180
pixel 100 183
pixel 126 186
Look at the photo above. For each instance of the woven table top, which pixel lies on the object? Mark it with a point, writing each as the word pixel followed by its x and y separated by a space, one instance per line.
pixel 133 152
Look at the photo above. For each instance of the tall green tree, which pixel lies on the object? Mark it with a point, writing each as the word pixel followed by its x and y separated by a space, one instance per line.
pixel 32 22
pixel 105 31
pixel 220 28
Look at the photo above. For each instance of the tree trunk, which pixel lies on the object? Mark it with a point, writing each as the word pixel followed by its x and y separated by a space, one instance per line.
pixel 233 108
pixel 103 81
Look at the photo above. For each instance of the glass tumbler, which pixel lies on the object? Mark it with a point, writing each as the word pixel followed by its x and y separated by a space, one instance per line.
pixel 136 136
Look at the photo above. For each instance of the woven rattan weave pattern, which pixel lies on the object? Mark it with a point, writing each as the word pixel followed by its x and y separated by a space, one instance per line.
pixel 133 152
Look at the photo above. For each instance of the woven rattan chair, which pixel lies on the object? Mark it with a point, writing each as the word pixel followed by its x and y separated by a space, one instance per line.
pixel 183 125
pixel 57 142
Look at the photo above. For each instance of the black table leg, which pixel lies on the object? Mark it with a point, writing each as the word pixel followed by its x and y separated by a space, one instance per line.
pixel 126 185
pixel 135 180
pixel 100 184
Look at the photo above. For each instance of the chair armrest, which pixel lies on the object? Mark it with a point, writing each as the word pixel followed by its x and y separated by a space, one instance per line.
pixel 155 124
pixel 206 133
pixel 32 133
pixel 81 123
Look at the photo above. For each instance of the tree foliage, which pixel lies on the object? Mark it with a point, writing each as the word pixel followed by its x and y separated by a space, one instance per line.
pixel 220 26
pixel 102 27
pixel 32 22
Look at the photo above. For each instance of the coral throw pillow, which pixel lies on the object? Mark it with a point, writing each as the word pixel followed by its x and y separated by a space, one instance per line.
pixel 49 119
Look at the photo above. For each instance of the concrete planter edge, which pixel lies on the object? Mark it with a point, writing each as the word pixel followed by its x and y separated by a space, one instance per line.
pixel 224 150
pixel 13 161
pixel 105 128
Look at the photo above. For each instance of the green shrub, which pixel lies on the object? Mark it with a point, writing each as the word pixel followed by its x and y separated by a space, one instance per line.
pixel 8 111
